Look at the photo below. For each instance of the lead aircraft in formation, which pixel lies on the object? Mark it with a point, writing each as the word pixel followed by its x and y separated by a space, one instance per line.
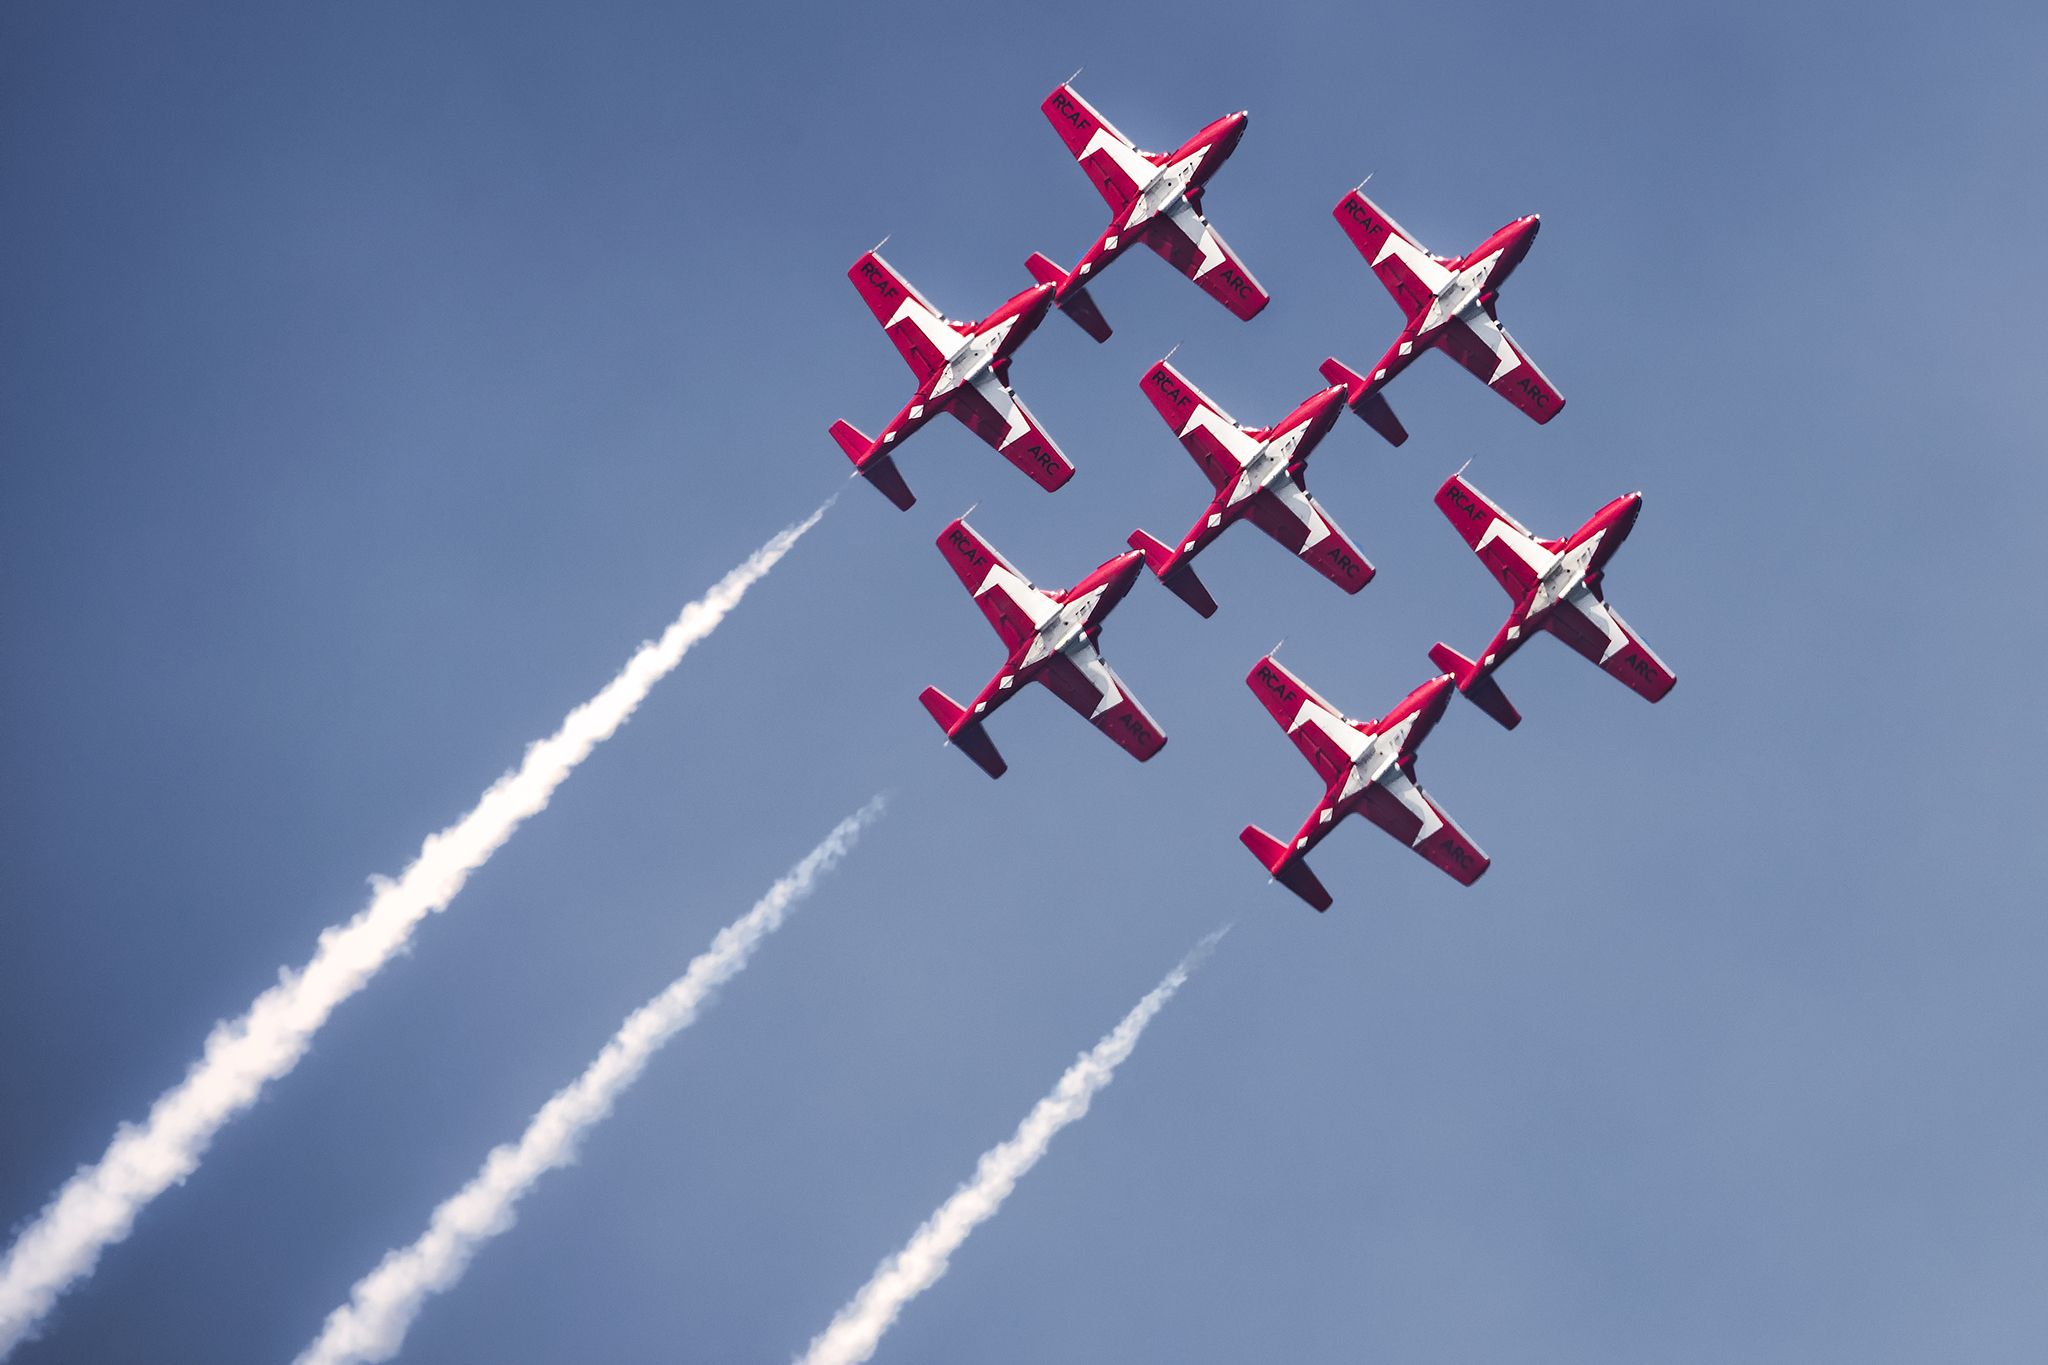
pixel 1154 198
pixel 962 368
pixel 1556 586
pixel 1369 766
pixel 1259 475
pixel 1052 639
pixel 1450 304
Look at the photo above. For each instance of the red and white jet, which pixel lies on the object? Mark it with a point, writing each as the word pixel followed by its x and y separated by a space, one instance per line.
pixel 1370 766
pixel 962 368
pixel 1052 638
pixel 1154 198
pixel 1556 587
pixel 1449 303
pixel 1259 474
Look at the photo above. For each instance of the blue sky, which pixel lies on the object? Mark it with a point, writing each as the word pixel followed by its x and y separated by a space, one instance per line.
pixel 378 377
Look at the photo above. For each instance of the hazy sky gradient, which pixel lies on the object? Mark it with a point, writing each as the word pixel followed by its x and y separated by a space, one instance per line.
pixel 378 376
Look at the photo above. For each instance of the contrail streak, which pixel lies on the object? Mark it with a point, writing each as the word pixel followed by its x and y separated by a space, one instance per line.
pixel 372 1324
pixel 854 1333
pixel 97 1206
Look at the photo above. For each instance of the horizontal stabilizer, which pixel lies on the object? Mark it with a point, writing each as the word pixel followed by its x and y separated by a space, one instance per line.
pixel 872 465
pixel 1073 300
pixel 1484 692
pixel 1290 871
pixel 1179 578
pixel 964 732
pixel 1381 418
pixel 1335 371
pixel 1371 408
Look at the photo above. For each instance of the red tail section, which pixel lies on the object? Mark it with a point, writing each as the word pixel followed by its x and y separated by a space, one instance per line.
pixel 1371 408
pixel 1179 578
pixel 1289 870
pixel 874 466
pixel 1073 300
pixel 1484 691
pixel 963 731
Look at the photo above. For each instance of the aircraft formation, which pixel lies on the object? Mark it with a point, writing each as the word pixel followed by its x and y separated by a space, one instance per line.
pixel 1257 474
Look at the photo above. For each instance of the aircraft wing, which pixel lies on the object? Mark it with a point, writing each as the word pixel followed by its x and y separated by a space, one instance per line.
pixel 1317 728
pixel 1219 445
pixel 1184 238
pixel 992 411
pixel 1404 810
pixel 1285 511
pixel 1083 681
pixel 1116 168
pixel 1006 597
pixel 1514 556
pixel 1411 274
pixel 1586 623
pixel 1484 347
pixel 920 332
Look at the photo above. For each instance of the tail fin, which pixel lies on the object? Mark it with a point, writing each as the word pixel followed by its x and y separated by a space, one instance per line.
pixel 964 731
pixel 874 466
pixel 1483 690
pixel 1371 407
pixel 1179 578
pixel 1073 300
pixel 1290 871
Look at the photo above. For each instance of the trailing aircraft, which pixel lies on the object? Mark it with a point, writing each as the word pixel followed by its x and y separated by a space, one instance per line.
pixel 1052 639
pixel 962 368
pixel 1259 474
pixel 1154 198
pixel 1556 585
pixel 1449 303
pixel 1370 769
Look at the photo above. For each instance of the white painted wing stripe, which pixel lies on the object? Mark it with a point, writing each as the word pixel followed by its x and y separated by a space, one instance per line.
pixel 1296 500
pixel 1037 606
pixel 1534 556
pixel 1005 403
pixel 930 323
pixel 1334 727
pixel 1229 434
pixel 1191 226
pixel 1489 332
pixel 1408 794
pixel 1426 267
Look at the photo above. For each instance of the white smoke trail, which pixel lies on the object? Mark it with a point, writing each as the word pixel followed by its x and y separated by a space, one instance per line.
pixel 372 1324
pixel 97 1206
pixel 857 1330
